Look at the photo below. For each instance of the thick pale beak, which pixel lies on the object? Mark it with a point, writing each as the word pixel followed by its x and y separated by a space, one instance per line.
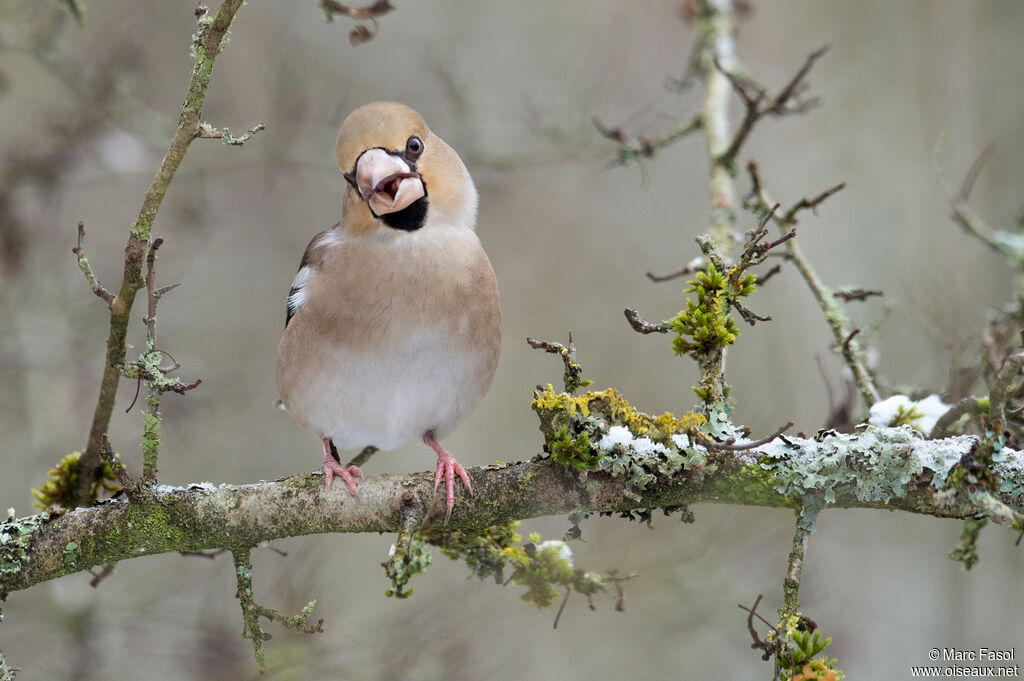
pixel 386 182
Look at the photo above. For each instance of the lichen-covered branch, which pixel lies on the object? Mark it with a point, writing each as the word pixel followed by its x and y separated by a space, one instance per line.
pixel 252 611
pixel 794 573
pixel 629 468
pixel 207 43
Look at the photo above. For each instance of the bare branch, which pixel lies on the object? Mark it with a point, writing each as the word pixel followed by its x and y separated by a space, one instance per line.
pixel 641 326
pixel 1008 373
pixel 856 294
pixel 835 316
pixel 207 131
pixel 754 95
pixel 642 147
pixel 747 446
pixel 83 264
pixel 690 267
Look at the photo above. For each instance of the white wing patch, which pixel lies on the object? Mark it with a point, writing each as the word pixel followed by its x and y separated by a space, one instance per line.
pixel 297 297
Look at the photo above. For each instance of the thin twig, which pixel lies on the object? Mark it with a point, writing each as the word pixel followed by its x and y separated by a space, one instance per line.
pixel 642 147
pixel 855 294
pixel 728 446
pixel 754 111
pixel 573 375
pixel 943 427
pixel 812 204
pixel 363 456
pixel 972 173
pixel 961 212
pixel 207 131
pixel 209 555
pixel 252 611
pixel 561 608
pixel 83 264
pixel 772 271
pixel 791 584
pixel 834 314
pixel 1004 379
pixel 128 484
pixel 642 326
pixel 690 267
pixel 104 572
pixel 758 643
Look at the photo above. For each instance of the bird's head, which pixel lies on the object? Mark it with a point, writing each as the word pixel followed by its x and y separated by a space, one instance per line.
pixel 401 176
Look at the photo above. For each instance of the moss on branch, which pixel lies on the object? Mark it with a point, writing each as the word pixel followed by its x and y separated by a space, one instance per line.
pixel 656 458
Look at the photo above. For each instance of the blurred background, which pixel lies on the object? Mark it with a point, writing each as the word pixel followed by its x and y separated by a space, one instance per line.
pixel 87 112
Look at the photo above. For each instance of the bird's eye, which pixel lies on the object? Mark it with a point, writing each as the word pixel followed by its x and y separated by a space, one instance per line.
pixel 413 147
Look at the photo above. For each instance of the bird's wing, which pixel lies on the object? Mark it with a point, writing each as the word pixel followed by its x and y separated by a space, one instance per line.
pixel 312 259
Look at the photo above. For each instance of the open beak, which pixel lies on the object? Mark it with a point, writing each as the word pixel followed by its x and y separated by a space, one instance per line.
pixel 386 182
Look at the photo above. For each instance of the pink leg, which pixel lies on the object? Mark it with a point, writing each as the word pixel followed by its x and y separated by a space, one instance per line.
pixel 332 468
pixel 448 468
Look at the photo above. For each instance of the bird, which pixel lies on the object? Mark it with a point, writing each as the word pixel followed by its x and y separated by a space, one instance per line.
pixel 393 326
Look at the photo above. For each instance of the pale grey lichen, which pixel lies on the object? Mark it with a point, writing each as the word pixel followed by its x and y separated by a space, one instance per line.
pixel 873 465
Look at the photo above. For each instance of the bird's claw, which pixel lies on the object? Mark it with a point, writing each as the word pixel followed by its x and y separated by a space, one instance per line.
pixel 348 474
pixel 331 468
pixel 448 468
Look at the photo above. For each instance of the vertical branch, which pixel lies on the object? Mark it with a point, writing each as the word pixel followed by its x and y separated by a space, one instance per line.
pixel 208 42
pixel 253 611
pixel 791 585
pixel 151 358
pixel 716 27
pixel 251 628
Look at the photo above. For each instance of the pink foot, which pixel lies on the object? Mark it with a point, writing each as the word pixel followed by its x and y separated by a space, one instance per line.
pixel 447 468
pixel 332 468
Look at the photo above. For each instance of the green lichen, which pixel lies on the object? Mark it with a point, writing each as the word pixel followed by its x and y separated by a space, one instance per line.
pixel 7 673
pixel 545 568
pixel 796 642
pixel 150 443
pixel 58 490
pixel 906 417
pixel 966 551
pixel 70 554
pixel 873 465
pixel 15 537
pixel 572 452
pixel 409 556
pixel 753 484
pixel 487 553
pixel 574 427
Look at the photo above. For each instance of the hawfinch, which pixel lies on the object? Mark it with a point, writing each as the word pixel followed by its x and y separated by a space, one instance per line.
pixel 394 327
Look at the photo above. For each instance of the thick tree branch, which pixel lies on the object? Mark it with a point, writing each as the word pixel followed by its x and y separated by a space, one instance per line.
pixel 204 517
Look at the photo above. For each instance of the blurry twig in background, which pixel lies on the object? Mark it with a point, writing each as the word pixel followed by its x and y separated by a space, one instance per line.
pixel 360 33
